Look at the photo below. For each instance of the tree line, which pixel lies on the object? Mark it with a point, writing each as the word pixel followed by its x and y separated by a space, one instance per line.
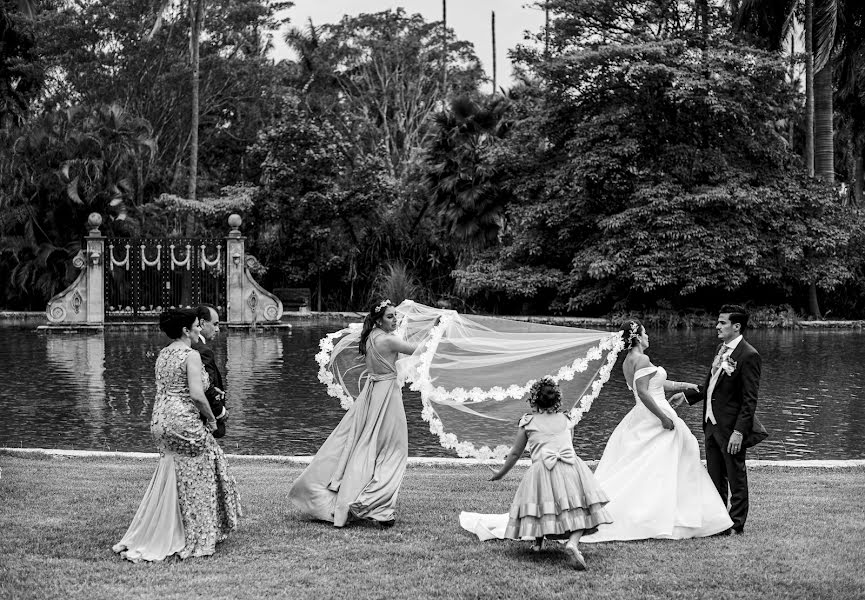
pixel 657 156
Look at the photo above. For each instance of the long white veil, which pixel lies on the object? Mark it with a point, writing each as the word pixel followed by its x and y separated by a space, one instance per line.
pixel 474 372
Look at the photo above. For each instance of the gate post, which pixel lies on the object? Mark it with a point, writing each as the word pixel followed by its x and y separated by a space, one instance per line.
pixel 83 302
pixel 247 302
pixel 95 271
pixel 234 260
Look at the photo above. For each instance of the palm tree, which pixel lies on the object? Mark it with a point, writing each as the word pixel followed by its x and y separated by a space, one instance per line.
pixel 770 20
pixel 850 95
pixel 196 9
pixel 58 168
pixel 462 185
pixel 20 73
pixel 313 70
pixel 825 26
pixel 25 7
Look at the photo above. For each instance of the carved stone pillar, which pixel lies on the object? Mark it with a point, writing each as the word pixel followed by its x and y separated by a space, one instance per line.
pixel 83 301
pixel 248 302
pixel 235 261
pixel 95 271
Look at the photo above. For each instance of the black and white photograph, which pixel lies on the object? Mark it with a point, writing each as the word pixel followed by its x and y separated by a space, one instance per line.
pixel 408 299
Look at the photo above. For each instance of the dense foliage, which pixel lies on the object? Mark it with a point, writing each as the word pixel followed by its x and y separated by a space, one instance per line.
pixel 659 183
pixel 650 159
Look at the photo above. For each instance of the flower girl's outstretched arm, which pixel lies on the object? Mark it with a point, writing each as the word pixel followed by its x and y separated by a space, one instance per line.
pixel 516 451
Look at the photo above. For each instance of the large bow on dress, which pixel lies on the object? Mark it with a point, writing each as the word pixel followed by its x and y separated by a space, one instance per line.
pixel 551 457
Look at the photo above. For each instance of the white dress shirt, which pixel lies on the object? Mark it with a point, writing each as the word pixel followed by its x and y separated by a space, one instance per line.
pixel 728 350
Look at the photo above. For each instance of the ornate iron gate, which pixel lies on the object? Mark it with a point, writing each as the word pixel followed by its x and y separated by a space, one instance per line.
pixel 144 276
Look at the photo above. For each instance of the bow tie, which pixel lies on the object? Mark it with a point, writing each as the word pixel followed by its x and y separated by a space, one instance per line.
pixel 566 455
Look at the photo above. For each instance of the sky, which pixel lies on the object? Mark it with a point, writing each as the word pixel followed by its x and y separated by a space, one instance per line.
pixel 470 20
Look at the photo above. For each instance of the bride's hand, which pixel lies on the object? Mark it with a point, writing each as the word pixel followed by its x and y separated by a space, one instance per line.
pixel 667 423
pixel 677 400
pixel 691 387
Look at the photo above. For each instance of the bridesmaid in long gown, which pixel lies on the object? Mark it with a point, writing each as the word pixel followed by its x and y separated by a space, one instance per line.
pixel 192 502
pixel 357 472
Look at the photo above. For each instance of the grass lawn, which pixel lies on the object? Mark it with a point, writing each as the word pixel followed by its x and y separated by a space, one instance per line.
pixel 60 517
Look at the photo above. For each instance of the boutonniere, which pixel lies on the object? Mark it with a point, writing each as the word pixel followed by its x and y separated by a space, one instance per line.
pixel 728 365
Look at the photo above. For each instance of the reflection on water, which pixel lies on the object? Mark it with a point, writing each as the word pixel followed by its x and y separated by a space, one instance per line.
pixel 95 391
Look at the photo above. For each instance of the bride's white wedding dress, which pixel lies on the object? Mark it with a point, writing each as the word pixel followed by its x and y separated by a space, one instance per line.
pixel 657 486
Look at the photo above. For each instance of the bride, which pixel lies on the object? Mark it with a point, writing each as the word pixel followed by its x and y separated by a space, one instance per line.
pixel 650 469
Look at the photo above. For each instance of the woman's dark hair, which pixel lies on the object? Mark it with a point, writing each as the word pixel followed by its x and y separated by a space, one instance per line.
pixel 545 395
pixel 631 331
pixel 173 320
pixel 738 314
pixel 375 313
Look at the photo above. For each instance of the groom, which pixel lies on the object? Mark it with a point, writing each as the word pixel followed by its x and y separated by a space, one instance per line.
pixel 730 400
pixel 208 319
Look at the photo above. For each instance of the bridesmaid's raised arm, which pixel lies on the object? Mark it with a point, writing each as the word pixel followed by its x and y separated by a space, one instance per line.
pixel 392 343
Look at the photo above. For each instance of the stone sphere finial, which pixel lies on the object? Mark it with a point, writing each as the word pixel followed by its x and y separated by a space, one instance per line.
pixel 234 221
pixel 94 221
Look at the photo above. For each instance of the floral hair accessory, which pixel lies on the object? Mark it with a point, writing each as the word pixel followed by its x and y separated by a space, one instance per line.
pixel 382 304
pixel 635 332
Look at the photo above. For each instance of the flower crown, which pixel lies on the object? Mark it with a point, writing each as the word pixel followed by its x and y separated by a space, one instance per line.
pixel 382 304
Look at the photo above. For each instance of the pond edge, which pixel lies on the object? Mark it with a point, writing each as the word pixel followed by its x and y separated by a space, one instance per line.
pixel 39 319
pixel 47 453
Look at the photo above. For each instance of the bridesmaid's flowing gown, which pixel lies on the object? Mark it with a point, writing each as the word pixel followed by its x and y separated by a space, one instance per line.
pixel 358 470
pixel 192 502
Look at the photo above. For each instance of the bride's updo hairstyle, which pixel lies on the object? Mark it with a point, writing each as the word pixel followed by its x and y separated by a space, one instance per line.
pixel 631 331
pixel 545 395
pixel 369 323
pixel 173 320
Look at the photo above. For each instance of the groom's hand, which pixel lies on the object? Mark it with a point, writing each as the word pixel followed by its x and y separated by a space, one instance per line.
pixel 735 443
pixel 677 399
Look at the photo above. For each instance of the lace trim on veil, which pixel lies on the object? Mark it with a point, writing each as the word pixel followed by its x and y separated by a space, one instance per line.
pixel 334 388
pixel 422 382
pixel 417 373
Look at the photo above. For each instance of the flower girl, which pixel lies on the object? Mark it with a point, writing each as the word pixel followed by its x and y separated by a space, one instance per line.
pixel 558 497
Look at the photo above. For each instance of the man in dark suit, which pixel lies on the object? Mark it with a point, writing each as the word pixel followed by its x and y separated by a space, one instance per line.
pixel 208 318
pixel 729 396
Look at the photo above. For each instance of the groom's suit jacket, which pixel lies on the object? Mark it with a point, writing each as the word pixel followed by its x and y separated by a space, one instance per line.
pixel 217 404
pixel 734 398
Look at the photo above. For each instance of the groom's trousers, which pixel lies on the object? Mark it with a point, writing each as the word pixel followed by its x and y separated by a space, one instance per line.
pixel 728 469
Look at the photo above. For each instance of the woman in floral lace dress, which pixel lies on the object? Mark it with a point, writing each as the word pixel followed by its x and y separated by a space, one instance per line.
pixel 191 503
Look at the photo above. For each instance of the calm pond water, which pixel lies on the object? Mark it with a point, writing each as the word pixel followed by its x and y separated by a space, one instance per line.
pixel 95 391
